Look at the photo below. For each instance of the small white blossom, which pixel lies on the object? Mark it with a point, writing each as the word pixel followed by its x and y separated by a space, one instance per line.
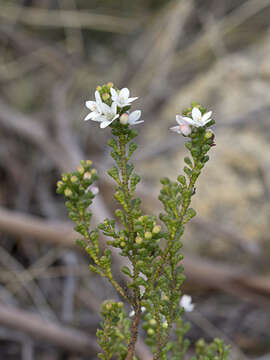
pixel 198 119
pixel 122 98
pixel 186 303
pixel 108 115
pixel 183 127
pixel 95 107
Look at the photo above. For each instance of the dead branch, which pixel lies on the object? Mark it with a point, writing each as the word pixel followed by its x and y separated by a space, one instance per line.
pixel 32 130
pixel 205 273
pixel 205 41
pixel 71 18
pixel 53 333
pixel 28 226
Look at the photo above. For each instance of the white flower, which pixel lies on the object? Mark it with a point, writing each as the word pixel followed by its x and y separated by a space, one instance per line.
pixel 108 115
pixel 198 119
pixel 95 107
pixel 186 303
pixel 122 98
pixel 183 127
pixel 132 118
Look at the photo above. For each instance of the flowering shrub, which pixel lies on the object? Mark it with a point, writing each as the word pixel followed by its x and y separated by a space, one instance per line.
pixel 155 274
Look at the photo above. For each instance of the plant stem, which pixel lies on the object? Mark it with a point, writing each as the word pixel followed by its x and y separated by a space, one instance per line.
pixel 137 305
pixel 122 142
pixel 180 218
pixel 125 184
pixel 134 334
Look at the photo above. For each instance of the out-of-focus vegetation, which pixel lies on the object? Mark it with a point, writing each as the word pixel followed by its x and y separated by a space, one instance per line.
pixel 52 56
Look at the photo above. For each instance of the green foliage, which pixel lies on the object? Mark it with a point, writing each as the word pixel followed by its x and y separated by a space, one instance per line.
pixel 213 351
pixel 155 274
pixel 114 334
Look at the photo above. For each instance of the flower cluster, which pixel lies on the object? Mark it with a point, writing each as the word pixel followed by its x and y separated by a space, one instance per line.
pixel 195 118
pixel 115 105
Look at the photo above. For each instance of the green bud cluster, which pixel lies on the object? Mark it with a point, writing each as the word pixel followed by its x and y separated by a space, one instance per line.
pixel 114 334
pixel 104 91
pixel 213 351
pixel 154 275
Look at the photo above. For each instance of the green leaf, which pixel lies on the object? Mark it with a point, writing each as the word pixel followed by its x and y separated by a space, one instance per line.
pixel 126 271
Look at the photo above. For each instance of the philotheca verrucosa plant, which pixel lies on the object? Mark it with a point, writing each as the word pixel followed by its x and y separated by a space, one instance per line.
pixel 155 272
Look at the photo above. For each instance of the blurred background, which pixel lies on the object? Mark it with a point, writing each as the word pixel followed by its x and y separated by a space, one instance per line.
pixel 53 54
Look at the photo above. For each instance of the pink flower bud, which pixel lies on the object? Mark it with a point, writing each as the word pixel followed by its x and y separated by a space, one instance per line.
pixel 124 119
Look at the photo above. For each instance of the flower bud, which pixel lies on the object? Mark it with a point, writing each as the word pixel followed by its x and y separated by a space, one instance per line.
pixel 209 134
pixel 73 179
pixel 110 84
pixel 150 332
pixel 87 175
pixel 120 304
pixel 64 178
pixel 59 184
pixel 152 322
pixel 108 306
pixel 80 169
pixel 165 325
pixel 99 88
pixel 93 171
pixel 89 162
pixel 148 235
pixel 124 119
pixel 105 96
pixel 156 229
pixel 122 244
pixel 138 240
pixel 67 192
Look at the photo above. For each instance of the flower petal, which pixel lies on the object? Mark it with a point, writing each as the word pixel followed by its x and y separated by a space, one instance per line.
pixel 137 122
pixel 114 107
pixel 124 93
pixel 104 124
pixel 132 99
pixel 189 121
pixel 185 129
pixel 186 303
pixel 206 116
pixel 106 108
pixel 98 98
pixel 114 94
pixel 184 120
pixel 179 119
pixel 93 116
pixel 115 117
pixel 88 117
pixel 176 129
pixel 134 116
pixel 196 114
pixel 91 105
pixel 206 121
